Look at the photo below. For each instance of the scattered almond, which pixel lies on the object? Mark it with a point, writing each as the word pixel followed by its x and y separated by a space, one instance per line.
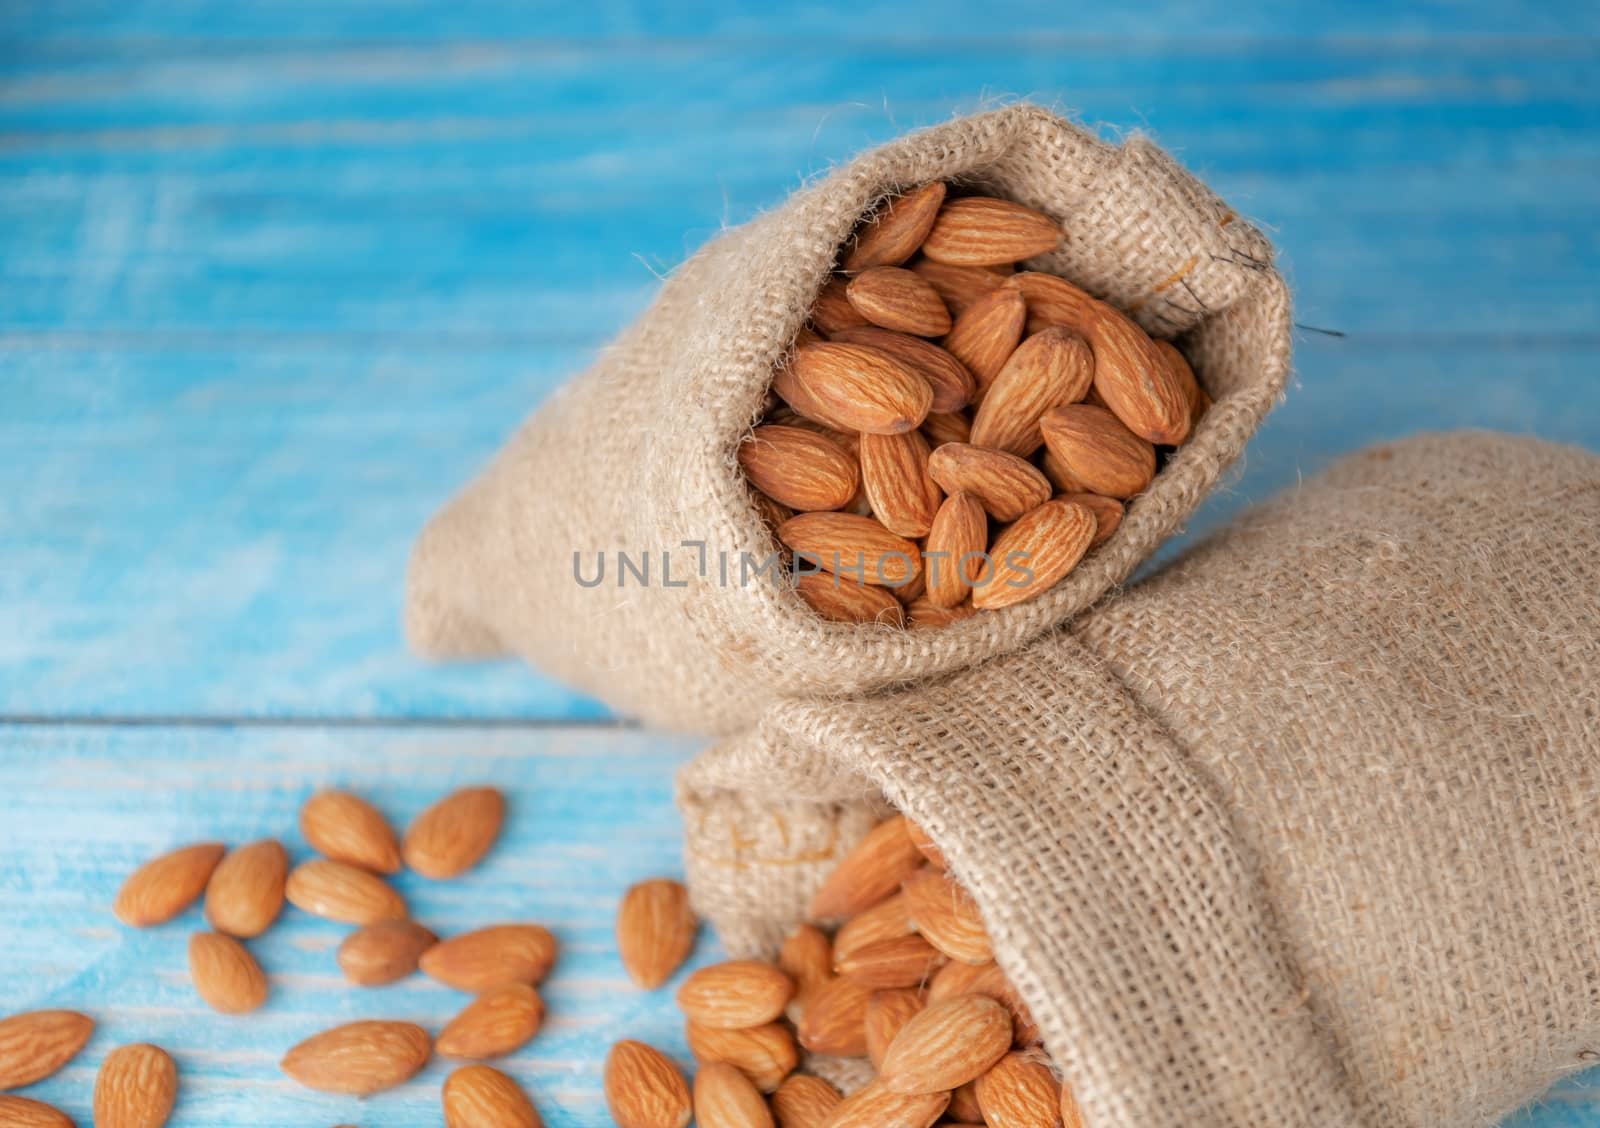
pixel 163 887
pixel 490 957
pixel 480 1096
pixel 983 231
pixel 895 231
pixel 245 892
pixel 384 951
pixel 346 828
pixel 904 961
pixel 493 1024
pixel 135 1088
pixel 947 1044
pixel 451 836
pixel 655 931
pixel 21 1112
pixel 644 1089
pixel 869 873
pixel 726 1098
pixel 737 994
pixel 1005 485
pixel 225 974
pixel 803 1101
pixel 765 1054
pixel 361 1058
pixel 35 1044
pixel 897 299
pixel 342 892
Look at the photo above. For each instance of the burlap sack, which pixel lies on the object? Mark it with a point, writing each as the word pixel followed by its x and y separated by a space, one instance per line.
pixel 1305 830
pixel 637 454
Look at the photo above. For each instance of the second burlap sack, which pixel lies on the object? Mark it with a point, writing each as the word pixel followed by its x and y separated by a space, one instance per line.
pixel 1300 832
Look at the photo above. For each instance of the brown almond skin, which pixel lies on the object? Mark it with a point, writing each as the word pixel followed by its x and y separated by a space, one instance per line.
pixel 958 979
pixel 952 384
pixel 1098 450
pixel 340 892
pixel 480 1096
pixel 1019 1091
pixel 894 471
pixel 832 310
pixel 1051 368
pixel 955 555
pixel 1107 514
pixel 901 300
pixel 1005 485
pixel 765 1054
pixel 853 547
pixel 164 886
pixel 983 231
pixel 21 1112
pixel 726 1098
pixel 346 828
pixel 494 1024
pixel 1063 479
pixel 883 921
pixel 735 995
pixel 904 961
pixel 1071 1115
pixel 887 1013
pixel 807 957
pixel 960 286
pixel 245 893
pixel 644 1089
pixel 941 429
pixel 1035 553
pixel 925 615
pixel 945 915
pixel 451 836
pixel 34 1044
pixel 360 1058
pixel 854 388
pixel 383 952
pixel 833 1019
pixel 893 233
pixel 986 333
pixel 225 974
pixel 871 872
pixel 843 600
pixel 876 1106
pixel 803 1101
pixel 799 468
pixel 489 957
pixel 964 1104
pixel 946 1045
pixel 656 930
pixel 135 1088
pixel 926 846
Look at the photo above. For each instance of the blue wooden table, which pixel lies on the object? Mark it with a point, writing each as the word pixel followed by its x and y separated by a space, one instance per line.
pixel 276 275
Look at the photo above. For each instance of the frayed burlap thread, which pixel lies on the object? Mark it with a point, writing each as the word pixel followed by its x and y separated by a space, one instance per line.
pixel 1299 832
pixel 637 454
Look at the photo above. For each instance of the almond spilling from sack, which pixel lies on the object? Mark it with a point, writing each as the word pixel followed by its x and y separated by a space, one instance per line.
pixel 934 368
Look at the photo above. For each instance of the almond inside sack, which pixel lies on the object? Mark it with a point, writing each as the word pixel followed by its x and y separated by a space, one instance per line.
pixel 638 455
pixel 1300 831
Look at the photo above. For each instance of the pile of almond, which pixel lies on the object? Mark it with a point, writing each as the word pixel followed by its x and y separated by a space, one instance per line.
pixel 907 980
pixel 950 435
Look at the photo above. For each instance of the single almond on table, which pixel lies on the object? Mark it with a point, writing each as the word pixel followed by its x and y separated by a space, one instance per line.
pixel 347 828
pixel 360 1058
pixel 947 1044
pixel 1051 368
pixel 946 916
pixel 926 615
pixel 799 467
pixel 342 892
pixel 803 1101
pixel 893 233
pixel 737 994
pixel 833 1018
pixel 135 1088
pixel 22 1112
pixel 961 286
pixel 901 300
pixel 854 388
pixel 887 1013
pixel 490 957
pixel 1035 553
pixel 844 600
pixel 35 1044
pixel 904 961
pixel 986 333
pixel 1005 485
pixel 877 1106
pixel 765 1054
pixel 869 873
pixel 493 1024
pixel 644 1089
pixel 955 553
pixel 726 1098
pixel 845 544
pixel 983 231
pixel 1098 450
pixel 832 310
pixel 894 471
pixel 655 930
pixel 952 384
pixel 164 886
pixel 883 921
pixel 480 1096
pixel 926 846
pixel 451 836
pixel 225 974
pixel 245 892
pixel 1107 514
pixel 940 429
pixel 384 951
pixel 1019 1091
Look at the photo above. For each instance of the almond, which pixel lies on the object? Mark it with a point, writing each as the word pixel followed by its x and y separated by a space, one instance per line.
pixel 869 873
pixel 832 1022
pixel 832 310
pixel 904 961
pixel 807 957
pixel 163 887
pixel 925 615
pixel 948 1044
pixel 940 429
pixel 960 286
pixel 946 916
pixel 1034 553
pixel 493 1024
pixel 1071 1116
pixel 360 1058
pixel 901 300
pixel 35 1044
pixel 1051 368
pixel 883 921
pixel 799 468
pixel 876 1106
pixel 952 384
pixel 1005 485
pixel 1183 375
pixel 894 470
pixel 451 836
pixel 803 1101
pixel 954 553
pixel 986 333
pixel 245 892
pixel 964 1103
pixel 341 892
pixel 1019 1092
pixel 1107 514
pixel 854 388
pixel 490 957
pixel 346 828
pixel 225 974
pixel 1063 479
pixel 845 544
pixel 726 1098
pixel 926 846
pixel 981 230
pixel 480 1096
pixel 735 995
pixel 384 951
pixel 991 981
pixel 765 1054
pixel 644 1089
pixel 959 979
pixel 887 1013
pixel 893 233
pixel 20 1112
pixel 1098 450
pixel 135 1087
pixel 847 601
pixel 655 930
